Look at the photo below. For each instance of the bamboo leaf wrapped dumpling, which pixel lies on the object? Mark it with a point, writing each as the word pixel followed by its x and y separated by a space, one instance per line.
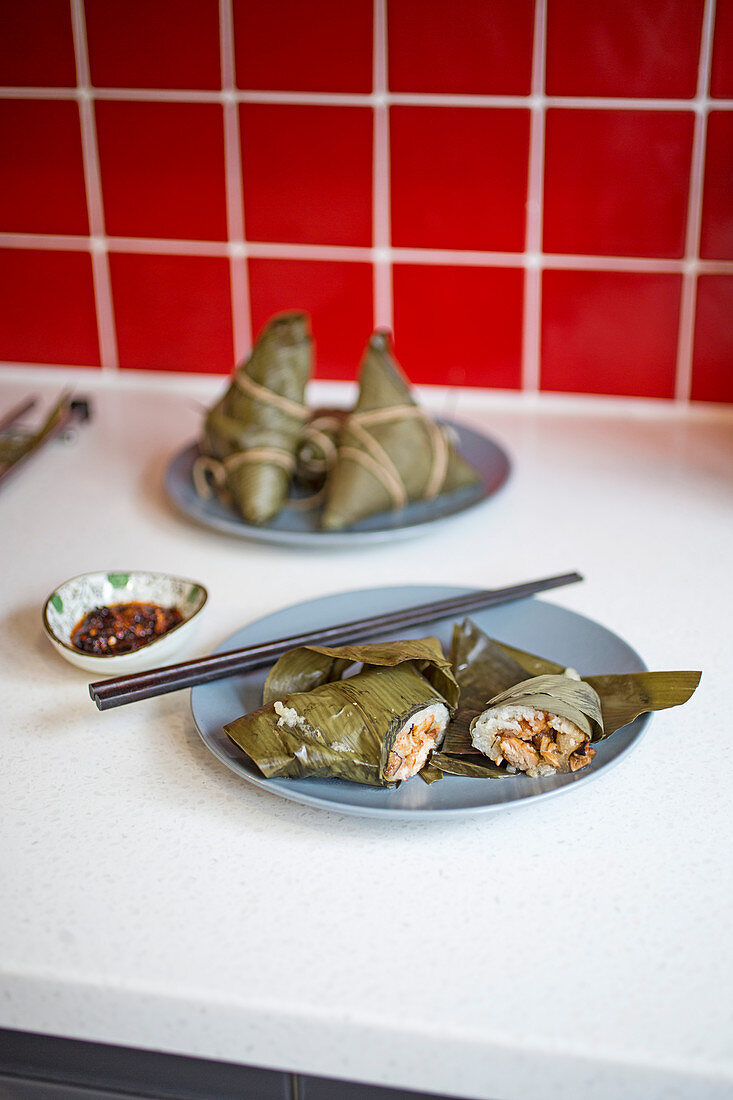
pixel 377 727
pixel 540 726
pixel 251 435
pixel 390 451
pixel 540 718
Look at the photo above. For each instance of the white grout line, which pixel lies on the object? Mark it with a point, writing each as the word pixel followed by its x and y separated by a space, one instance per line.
pixel 353 99
pixel 238 275
pixel 532 316
pixel 381 228
pixel 93 184
pixel 49 242
pixel 691 268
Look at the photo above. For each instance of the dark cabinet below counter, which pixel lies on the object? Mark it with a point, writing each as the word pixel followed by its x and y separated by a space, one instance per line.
pixel 44 1067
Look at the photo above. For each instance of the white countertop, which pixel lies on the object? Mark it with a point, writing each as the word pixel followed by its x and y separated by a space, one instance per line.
pixel 576 947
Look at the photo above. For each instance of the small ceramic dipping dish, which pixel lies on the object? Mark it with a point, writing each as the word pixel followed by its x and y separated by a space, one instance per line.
pixel 71 601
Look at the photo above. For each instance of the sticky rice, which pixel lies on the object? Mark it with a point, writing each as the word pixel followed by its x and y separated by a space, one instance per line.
pixel 531 740
pixel 422 733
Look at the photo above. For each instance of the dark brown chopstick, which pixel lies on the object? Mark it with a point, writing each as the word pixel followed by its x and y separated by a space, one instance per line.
pixel 119 690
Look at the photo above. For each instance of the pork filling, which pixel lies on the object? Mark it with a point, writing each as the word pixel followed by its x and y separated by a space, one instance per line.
pixel 532 741
pixel 415 741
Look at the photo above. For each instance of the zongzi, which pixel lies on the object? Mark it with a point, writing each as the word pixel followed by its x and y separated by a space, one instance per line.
pixel 377 727
pixel 540 718
pixel 540 726
pixel 251 435
pixel 390 451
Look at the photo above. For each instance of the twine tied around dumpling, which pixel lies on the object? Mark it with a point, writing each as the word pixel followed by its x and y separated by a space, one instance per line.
pixel 269 397
pixel 210 475
pixel 375 459
pixel 318 450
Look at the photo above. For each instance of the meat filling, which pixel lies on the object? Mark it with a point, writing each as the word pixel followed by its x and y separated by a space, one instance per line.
pixel 532 741
pixel 414 743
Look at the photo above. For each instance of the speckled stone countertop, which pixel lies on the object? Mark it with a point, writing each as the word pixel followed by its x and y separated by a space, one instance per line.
pixel 574 947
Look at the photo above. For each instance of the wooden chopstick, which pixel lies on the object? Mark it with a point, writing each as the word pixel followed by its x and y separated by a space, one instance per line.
pixel 57 420
pixel 120 690
pixel 17 412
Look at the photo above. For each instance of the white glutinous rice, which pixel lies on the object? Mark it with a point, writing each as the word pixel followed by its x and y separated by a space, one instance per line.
pixel 531 740
pixel 289 718
pixel 422 732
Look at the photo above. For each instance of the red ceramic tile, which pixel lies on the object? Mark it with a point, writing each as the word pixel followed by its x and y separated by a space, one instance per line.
pixel 47 312
pixel 721 76
pixel 286 45
pixel 307 173
pixel 173 312
pixel 42 180
pixel 162 169
pixel 153 43
pixel 610 332
pixel 459 177
pixel 712 373
pixel 478 47
pixel 338 297
pixel 629 48
pixel 36 44
pixel 616 182
pixel 716 241
pixel 459 326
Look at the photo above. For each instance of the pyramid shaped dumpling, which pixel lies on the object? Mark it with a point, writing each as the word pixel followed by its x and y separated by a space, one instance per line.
pixel 255 428
pixel 390 450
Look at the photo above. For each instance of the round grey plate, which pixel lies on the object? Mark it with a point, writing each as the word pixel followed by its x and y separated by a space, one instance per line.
pixel 530 624
pixel 299 527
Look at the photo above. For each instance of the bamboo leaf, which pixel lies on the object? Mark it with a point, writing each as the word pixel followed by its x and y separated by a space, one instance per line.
pixel 255 427
pixel 481 662
pixel 471 766
pixel 344 729
pixel 625 697
pixel 308 666
pixel 403 444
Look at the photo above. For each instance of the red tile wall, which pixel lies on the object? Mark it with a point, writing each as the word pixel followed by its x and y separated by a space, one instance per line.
pixel 533 194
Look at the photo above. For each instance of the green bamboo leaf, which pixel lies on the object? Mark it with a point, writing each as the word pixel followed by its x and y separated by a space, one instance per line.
pixel 308 666
pixel 482 661
pixel 482 668
pixel 407 440
pixel 255 428
pixel 470 766
pixel 568 698
pixel 624 698
pixel 345 729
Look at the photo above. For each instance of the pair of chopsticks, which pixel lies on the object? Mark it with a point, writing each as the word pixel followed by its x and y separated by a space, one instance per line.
pixel 63 413
pixel 119 690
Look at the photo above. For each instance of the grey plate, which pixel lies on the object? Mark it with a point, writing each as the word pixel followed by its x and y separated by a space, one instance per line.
pixel 299 527
pixel 531 624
